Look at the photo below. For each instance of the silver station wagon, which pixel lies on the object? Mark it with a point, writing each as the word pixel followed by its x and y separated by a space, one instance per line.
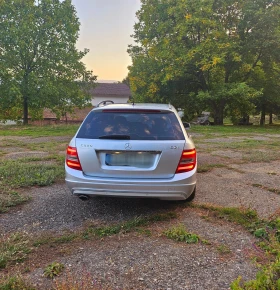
pixel 132 150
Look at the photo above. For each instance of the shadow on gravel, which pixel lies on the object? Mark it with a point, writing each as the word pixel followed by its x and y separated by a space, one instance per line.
pixel 55 209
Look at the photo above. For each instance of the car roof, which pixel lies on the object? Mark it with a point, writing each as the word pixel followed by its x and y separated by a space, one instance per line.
pixel 141 106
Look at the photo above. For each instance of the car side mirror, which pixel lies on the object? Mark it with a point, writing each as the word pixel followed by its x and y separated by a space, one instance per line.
pixel 187 125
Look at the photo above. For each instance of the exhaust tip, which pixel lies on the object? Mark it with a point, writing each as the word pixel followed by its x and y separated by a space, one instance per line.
pixel 83 197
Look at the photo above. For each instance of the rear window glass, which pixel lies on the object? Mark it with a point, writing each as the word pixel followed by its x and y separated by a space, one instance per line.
pixel 141 125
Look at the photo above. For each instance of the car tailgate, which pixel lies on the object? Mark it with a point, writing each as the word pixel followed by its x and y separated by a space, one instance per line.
pixel 129 158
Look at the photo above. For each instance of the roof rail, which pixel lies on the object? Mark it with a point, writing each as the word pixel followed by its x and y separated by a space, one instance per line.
pixel 104 103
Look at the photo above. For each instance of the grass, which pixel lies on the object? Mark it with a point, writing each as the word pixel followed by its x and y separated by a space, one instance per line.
pixel 44 240
pixel 242 216
pixel 39 131
pixel 15 283
pixel 11 198
pixel 208 167
pixel 127 226
pixel 235 130
pixel 267 279
pixel 274 190
pixel 268 234
pixel 16 174
pixel 16 248
pixel 261 156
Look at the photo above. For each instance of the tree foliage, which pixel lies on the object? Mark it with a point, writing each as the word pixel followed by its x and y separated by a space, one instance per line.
pixel 209 49
pixel 39 63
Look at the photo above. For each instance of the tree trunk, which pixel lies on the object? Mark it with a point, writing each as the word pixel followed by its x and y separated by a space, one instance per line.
pixel 25 110
pixel 270 119
pixel 219 114
pixel 262 120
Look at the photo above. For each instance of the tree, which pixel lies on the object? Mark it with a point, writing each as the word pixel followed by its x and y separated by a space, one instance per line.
pixel 40 65
pixel 210 47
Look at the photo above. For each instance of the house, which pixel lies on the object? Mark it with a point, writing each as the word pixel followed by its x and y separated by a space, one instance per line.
pixel 116 92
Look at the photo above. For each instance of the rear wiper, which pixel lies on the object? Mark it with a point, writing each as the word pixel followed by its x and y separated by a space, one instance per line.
pixel 117 137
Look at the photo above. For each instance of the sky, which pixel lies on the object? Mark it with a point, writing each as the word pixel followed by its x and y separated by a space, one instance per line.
pixel 106 26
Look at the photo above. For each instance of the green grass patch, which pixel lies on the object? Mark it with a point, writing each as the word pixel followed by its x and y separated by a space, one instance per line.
pixel 17 174
pixel 180 234
pixel 235 130
pixel 267 279
pixel 13 250
pixel 15 283
pixel 268 234
pixel 39 131
pixel 10 199
pixel 261 156
pixel 49 240
pixel 242 216
pixel 49 147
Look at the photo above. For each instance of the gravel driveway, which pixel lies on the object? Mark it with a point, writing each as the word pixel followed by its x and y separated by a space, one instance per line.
pixel 135 261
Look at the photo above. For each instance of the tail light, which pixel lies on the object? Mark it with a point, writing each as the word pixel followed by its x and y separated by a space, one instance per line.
pixel 72 159
pixel 187 161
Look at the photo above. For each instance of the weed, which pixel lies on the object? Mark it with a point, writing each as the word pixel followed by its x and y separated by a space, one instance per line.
pixel 179 233
pixel 54 269
pixel 15 283
pixel 223 249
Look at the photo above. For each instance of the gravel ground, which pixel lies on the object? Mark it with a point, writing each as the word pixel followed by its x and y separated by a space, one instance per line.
pixel 135 261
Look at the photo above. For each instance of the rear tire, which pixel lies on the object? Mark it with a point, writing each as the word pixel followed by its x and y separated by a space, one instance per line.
pixel 192 196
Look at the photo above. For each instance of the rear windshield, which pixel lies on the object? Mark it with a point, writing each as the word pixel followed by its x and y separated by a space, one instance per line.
pixel 131 125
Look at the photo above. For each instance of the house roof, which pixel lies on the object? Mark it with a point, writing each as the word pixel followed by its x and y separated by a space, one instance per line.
pixel 117 89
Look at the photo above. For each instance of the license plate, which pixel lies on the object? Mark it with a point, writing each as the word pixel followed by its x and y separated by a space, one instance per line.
pixel 130 159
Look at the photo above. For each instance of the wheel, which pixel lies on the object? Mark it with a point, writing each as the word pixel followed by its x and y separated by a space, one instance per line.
pixel 192 196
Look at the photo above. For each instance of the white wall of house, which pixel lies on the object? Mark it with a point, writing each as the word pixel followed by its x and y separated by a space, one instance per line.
pixel 115 99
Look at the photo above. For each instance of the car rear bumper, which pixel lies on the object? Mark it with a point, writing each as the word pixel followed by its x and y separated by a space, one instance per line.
pixel 179 187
